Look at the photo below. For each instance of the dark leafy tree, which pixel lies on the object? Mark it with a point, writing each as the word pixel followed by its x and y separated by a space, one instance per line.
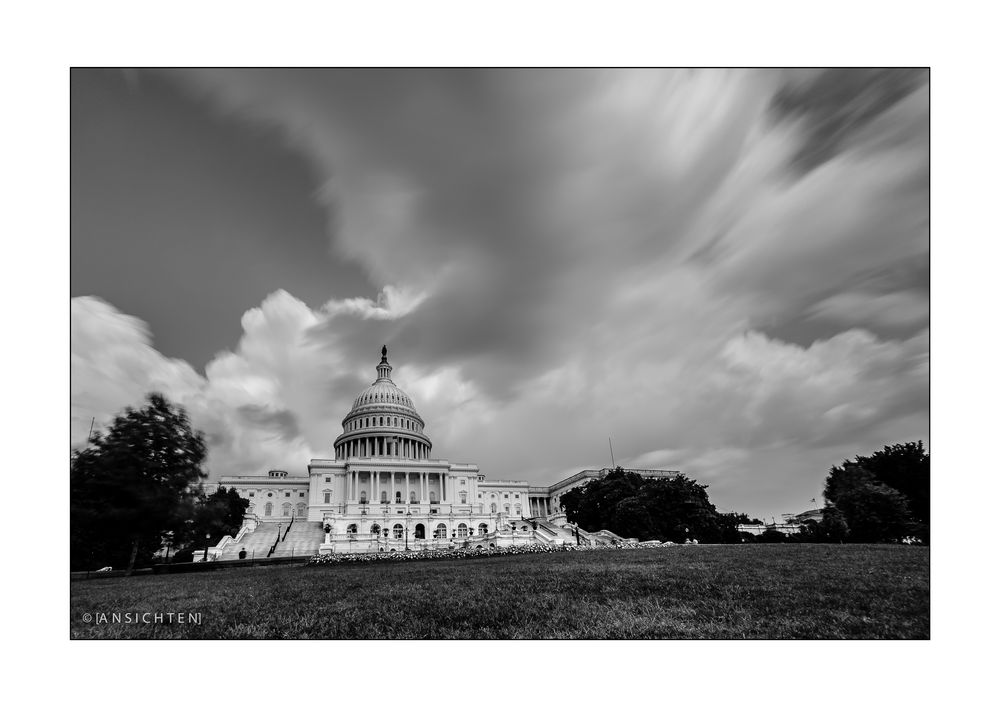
pixel 133 484
pixel 885 496
pixel 216 515
pixel 832 528
pixel 907 469
pixel 647 509
pixel 772 536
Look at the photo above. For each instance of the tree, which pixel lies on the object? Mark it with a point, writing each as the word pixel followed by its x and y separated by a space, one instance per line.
pixel 832 528
pixel 875 513
pixel 772 536
pixel 631 506
pixel 219 514
pixel 883 497
pixel 132 484
pixel 907 469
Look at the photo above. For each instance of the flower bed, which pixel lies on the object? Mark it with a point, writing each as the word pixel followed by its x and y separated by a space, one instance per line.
pixel 462 554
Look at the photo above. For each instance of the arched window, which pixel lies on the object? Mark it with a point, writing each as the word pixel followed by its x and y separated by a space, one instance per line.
pixel 462 497
pixel 418 531
pixel 433 497
pixel 493 508
pixel 399 497
pixel 441 531
pixel 397 531
pixel 385 497
pixel 352 529
pixel 375 529
pixel 506 508
pixel 286 509
pixel 413 496
pixel 268 507
pixel 364 497
pixel 300 510
pixel 483 529
pixel 463 530
pixel 381 422
pixel 517 509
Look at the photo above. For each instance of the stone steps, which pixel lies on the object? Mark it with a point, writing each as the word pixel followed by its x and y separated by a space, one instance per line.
pixel 256 543
pixel 304 538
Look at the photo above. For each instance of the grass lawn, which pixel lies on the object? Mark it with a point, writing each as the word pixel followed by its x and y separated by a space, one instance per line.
pixel 722 591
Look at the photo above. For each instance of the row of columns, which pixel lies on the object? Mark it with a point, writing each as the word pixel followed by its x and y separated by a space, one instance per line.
pixel 382 446
pixel 539 506
pixel 373 483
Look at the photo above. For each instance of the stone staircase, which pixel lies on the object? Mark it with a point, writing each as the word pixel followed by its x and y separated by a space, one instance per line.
pixel 256 543
pixel 303 538
pixel 556 531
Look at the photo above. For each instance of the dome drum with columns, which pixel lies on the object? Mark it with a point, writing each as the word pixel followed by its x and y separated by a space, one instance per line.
pixel 383 422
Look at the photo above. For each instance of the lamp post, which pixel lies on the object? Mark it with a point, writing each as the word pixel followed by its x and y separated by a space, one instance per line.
pixel 208 536
pixel 169 535
pixel 408 516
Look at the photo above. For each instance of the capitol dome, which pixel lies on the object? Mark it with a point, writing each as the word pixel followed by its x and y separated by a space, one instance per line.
pixel 383 422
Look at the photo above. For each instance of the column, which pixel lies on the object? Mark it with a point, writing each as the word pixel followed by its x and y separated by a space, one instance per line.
pixel 443 483
pixel 371 496
pixel 393 491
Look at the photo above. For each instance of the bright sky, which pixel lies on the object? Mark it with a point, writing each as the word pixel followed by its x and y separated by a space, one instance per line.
pixel 726 271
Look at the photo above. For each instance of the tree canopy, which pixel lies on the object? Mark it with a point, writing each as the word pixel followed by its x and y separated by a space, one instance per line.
pixel 882 497
pixel 132 484
pixel 648 509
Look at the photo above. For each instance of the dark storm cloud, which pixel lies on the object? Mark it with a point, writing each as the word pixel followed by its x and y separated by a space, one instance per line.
pixel 186 220
pixel 840 102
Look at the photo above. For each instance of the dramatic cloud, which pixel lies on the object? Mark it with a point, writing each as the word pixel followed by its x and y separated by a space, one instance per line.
pixel 568 255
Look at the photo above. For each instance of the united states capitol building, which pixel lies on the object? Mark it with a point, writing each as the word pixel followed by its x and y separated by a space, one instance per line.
pixel 384 491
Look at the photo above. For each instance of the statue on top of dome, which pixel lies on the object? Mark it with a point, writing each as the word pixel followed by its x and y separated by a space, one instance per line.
pixel 385 352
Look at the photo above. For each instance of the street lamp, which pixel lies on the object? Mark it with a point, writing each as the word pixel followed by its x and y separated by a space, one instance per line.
pixel 208 536
pixel 408 516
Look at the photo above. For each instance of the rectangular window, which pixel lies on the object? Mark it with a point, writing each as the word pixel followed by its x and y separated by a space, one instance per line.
pixel 327 479
pixel 302 494
pixel 288 494
pixel 506 495
pixel 463 482
pixel 251 494
pixel 517 495
pixel 326 497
